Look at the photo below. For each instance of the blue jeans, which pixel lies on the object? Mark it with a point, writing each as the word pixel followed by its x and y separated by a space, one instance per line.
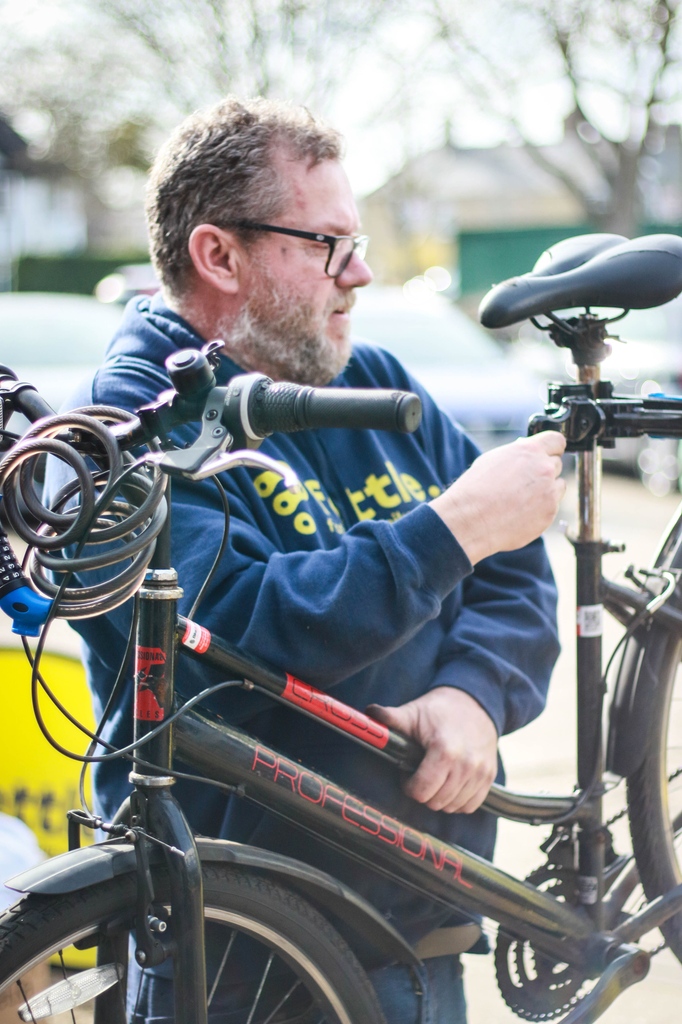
pixel 431 994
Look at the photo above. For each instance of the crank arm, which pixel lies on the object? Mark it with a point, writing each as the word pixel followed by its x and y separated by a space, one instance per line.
pixel 626 970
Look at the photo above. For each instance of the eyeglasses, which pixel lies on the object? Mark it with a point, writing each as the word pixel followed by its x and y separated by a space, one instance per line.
pixel 341 247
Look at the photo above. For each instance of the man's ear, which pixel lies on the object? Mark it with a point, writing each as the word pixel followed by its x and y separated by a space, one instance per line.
pixel 217 257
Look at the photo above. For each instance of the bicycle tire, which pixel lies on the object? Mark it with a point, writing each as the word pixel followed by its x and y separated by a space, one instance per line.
pixel 654 789
pixel 326 980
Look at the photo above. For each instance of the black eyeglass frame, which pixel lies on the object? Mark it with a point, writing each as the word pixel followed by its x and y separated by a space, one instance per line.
pixel 360 242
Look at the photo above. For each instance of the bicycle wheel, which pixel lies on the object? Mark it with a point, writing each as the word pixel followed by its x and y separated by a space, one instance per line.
pixel 655 788
pixel 291 964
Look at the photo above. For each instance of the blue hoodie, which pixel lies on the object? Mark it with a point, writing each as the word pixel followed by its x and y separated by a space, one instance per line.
pixel 351 583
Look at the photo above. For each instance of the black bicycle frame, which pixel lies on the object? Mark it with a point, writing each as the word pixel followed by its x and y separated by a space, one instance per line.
pixel 439 871
pixel 442 872
pixel 587 414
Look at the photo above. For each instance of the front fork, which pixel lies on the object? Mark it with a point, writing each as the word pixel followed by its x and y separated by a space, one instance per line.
pixel 156 813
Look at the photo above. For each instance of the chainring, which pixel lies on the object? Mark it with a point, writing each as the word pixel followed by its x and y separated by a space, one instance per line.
pixel 533 985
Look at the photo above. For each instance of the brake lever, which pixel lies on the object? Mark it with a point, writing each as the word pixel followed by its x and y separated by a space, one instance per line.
pixel 221 463
pixel 213 439
pixel 245 457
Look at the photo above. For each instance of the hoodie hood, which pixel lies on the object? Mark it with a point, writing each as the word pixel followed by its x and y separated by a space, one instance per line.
pixel 150 330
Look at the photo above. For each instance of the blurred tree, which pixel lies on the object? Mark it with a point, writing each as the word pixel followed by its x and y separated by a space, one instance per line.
pixel 615 66
pixel 94 84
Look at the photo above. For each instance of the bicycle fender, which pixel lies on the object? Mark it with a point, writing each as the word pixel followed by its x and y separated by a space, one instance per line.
pixel 629 715
pixel 77 869
pixel 90 865
pixel 319 888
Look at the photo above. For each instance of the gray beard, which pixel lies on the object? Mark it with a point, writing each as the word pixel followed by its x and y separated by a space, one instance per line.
pixel 280 337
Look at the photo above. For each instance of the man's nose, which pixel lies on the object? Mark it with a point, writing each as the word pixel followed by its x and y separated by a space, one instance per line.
pixel 356 275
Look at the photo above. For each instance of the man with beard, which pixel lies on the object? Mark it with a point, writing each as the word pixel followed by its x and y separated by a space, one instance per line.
pixel 377 578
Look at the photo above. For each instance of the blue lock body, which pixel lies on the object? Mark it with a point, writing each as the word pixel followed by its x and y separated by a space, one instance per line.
pixel 27 609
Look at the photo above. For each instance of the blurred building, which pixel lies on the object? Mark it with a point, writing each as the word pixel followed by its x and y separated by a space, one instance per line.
pixel 42 207
pixel 486 214
pixel 54 224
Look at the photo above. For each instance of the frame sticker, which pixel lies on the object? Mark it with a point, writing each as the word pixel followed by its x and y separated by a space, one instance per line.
pixel 590 619
pixel 196 637
pixel 150 684
pixel 321 705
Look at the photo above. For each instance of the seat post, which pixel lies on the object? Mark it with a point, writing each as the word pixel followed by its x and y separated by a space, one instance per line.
pixel 589 625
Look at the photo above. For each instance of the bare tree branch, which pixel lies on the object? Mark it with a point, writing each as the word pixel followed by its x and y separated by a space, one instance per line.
pixel 113 63
pixel 623 51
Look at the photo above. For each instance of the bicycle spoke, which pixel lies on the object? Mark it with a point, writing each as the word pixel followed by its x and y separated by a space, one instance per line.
pixel 266 971
pixel 25 998
pixel 139 995
pixel 222 967
pixel 61 960
pixel 282 1001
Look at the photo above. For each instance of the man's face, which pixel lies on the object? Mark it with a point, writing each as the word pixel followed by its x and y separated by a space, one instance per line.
pixel 295 323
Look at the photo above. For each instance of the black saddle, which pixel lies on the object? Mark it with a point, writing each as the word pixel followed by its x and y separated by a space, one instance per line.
pixel 590 270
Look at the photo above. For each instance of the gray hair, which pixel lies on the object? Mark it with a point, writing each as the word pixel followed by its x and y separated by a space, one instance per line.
pixel 218 168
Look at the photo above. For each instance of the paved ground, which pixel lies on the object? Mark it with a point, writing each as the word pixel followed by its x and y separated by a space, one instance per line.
pixel 542 756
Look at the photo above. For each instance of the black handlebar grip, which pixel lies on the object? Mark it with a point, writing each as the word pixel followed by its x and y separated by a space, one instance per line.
pixel 288 407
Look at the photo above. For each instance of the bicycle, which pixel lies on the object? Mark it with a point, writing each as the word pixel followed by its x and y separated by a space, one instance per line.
pixel 559 929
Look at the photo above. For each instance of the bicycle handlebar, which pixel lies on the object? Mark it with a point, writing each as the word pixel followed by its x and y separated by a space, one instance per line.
pixel 282 407
pixel 24 396
pixel 256 406
pixel 252 406
pixel 121 501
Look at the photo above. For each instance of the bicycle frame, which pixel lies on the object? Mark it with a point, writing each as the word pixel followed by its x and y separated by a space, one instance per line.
pixel 442 872
pixel 438 871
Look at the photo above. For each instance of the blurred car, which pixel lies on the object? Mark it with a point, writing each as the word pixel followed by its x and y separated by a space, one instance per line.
pixel 485 389
pixel 53 340
pixel 646 358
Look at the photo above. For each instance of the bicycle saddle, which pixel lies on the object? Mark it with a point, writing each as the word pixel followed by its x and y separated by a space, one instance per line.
pixel 590 270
